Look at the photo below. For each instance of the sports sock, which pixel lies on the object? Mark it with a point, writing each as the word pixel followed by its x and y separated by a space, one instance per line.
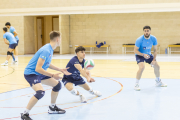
pixel 52 105
pixel 137 81
pixel 26 111
pixel 158 79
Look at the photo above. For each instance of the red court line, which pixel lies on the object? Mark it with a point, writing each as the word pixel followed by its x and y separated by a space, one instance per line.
pixel 81 104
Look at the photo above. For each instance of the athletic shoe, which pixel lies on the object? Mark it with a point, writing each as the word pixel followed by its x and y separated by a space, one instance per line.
pixel 137 87
pixel 83 99
pixel 25 116
pixel 160 84
pixel 97 93
pixel 14 62
pixel 56 110
pixel 5 64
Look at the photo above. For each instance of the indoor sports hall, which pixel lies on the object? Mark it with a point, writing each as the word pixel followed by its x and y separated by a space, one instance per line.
pixel 108 30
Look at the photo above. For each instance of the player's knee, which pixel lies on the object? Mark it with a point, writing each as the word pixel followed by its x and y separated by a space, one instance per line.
pixel 57 88
pixel 9 53
pixel 39 94
pixel 74 91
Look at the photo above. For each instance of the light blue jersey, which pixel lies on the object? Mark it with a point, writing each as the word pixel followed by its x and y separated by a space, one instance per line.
pixel 46 53
pixel 10 37
pixel 11 30
pixel 145 45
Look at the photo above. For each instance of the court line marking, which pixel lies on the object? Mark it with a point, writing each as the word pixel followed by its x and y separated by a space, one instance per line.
pixel 81 104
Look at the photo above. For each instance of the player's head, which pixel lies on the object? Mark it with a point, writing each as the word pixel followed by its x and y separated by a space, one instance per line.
pixel 147 31
pixel 55 36
pixel 8 24
pixel 5 29
pixel 80 52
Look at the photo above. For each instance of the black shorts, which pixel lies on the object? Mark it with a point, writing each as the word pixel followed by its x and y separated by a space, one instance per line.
pixel 79 81
pixel 142 59
pixel 33 79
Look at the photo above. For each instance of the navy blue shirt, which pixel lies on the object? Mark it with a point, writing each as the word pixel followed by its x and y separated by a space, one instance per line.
pixel 72 69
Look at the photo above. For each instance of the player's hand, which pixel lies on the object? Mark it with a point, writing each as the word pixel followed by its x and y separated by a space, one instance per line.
pixel 146 56
pixel 90 80
pixel 153 63
pixel 56 76
pixel 64 71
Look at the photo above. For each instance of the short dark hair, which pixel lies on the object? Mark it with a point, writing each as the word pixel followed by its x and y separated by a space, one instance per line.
pixel 8 23
pixel 80 48
pixel 147 27
pixel 5 29
pixel 54 34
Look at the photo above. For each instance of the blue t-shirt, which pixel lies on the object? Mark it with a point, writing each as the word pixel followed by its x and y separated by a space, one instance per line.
pixel 145 45
pixel 72 69
pixel 46 53
pixel 10 37
pixel 11 30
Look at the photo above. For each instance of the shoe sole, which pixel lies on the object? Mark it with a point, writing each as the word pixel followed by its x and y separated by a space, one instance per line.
pixel 55 112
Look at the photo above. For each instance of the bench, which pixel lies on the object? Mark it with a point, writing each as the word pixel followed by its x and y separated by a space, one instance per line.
pixel 94 46
pixel 124 48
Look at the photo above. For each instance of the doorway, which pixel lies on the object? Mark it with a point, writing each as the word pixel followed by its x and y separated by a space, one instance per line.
pixel 40 32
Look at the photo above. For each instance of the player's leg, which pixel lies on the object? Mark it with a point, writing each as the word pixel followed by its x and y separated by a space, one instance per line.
pixel 53 109
pixel 159 83
pixel 34 99
pixel 140 62
pixel 9 54
pixel 88 88
pixel 70 88
pixel 16 51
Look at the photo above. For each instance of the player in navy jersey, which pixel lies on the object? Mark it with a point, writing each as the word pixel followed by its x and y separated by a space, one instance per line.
pixel 35 73
pixel 14 32
pixel 76 67
pixel 12 45
pixel 142 50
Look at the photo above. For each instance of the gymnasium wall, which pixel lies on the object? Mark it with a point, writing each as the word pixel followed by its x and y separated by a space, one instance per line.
pixel 29 42
pixel 118 29
pixel 18 23
pixel 11 4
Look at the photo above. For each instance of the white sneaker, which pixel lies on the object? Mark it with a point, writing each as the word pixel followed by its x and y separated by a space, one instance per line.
pixel 97 93
pixel 83 99
pixel 160 84
pixel 14 62
pixel 137 87
pixel 5 64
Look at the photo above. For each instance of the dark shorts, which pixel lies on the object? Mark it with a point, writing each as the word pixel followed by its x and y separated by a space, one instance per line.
pixel 12 46
pixel 34 79
pixel 75 82
pixel 17 42
pixel 142 59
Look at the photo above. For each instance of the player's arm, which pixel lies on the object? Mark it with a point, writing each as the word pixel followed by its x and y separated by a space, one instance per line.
pixel 83 72
pixel 155 52
pixel 64 71
pixel 89 74
pixel 15 33
pixel 40 70
pixel 136 51
pixel 5 40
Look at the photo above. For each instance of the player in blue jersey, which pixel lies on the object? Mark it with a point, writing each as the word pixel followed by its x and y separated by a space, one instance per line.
pixel 76 67
pixel 12 45
pixel 35 73
pixel 142 50
pixel 14 32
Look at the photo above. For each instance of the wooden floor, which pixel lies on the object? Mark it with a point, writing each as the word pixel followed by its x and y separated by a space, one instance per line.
pixel 12 77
